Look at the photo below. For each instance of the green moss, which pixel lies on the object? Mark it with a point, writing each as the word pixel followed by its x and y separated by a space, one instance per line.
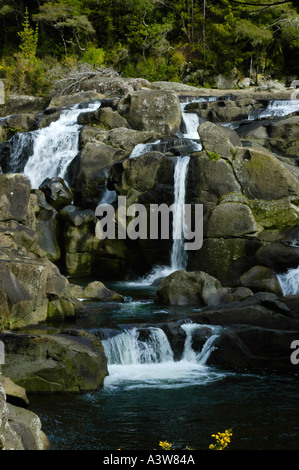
pixel 213 156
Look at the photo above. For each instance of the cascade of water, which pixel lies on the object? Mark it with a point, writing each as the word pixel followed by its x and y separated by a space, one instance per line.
pixel 178 254
pixel 127 348
pixel 150 361
pixel 189 354
pixel 275 108
pixel 289 281
pixel 141 149
pixel 53 147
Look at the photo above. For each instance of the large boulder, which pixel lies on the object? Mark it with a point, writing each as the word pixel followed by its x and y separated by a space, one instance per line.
pixel 30 289
pixel 54 363
pixel 141 174
pixel 263 176
pixel 17 123
pixel 105 117
pixel 152 110
pixel 14 197
pixel 187 288
pixel 261 278
pixel 254 349
pixel 284 135
pixel 47 227
pixel 20 429
pixel 216 140
pixel 90 172
pixel 232 219
pixel 121 137
pixel 95 290
pixel 75 98
pixel 225 258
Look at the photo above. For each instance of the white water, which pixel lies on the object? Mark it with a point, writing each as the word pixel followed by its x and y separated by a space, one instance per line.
pixel 289 281
pixel 276 108
pixel 134 363
pixel 179 257
pixel 191 121
pixel 141 149
pixel 54 147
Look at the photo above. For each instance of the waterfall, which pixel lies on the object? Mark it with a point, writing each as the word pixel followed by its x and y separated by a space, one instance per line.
pixel 289 281
pixel 191 123
pixel 141 149
pixel 52 148
pixel 127 348
pixel 146 359
pixel 178 254
pixel 275 108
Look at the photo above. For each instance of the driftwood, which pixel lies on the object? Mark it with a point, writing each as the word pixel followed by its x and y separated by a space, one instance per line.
pixel 73 82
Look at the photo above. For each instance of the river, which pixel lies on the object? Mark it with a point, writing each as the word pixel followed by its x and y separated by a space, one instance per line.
pixel 181 401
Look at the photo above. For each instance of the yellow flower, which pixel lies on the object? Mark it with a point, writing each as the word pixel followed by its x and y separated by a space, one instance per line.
pixel 222 440
pixel 165 445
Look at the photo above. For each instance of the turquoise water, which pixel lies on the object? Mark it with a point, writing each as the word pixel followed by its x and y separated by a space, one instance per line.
pixel 180 401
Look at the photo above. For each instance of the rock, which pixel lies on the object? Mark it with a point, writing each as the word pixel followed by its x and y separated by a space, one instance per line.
pixel 55 363
pixel 79 240
pixel 96 291
pixel 23 104
pixel 215 141
pixel 179 88
pixel 187 288
pixel 283 136
pixel 114 86
pixel 17 123
pixel 103 117
pixel 74 98
pixel 263 176
pixel 158 111
pixel 253 348
pixel 262 309
pixel 209 177
pixel 141 174
pixel 226 295
pixel 57 193
pixel 47 227
pixel 261 279
pixel 225 258
pixel 14 197
pixel 20 429
pixel 15 394
pixel 92 170
pixel 277 214
pixel 123 138
pixel 232 219
pixel 278 256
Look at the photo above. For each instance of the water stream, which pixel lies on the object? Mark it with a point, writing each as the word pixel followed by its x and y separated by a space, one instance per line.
pixel 151 394
pixel 49 151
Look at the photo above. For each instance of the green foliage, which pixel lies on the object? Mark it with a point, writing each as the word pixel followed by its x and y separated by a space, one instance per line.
pixel 29 39
pixel 188 40
pixel 94 56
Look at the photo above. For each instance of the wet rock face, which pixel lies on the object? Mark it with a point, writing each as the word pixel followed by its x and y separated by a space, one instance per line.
pixel 57 193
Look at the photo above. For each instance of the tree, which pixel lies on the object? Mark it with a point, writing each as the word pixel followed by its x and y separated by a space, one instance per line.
pixel 65 19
